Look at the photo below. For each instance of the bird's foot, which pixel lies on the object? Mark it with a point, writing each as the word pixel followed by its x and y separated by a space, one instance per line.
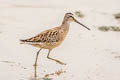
pixel 56 61
pixel 60 62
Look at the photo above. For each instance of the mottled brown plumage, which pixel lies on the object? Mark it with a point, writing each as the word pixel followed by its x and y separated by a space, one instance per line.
pixel 47 39
pixel 52 38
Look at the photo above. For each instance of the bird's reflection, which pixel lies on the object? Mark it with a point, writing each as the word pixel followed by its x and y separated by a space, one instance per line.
pixel 38 78
pixel 46 76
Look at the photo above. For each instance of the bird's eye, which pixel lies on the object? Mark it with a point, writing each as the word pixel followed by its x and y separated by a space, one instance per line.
pixel 69 16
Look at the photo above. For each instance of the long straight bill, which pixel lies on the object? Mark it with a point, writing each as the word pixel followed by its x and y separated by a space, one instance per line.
pixel 81 24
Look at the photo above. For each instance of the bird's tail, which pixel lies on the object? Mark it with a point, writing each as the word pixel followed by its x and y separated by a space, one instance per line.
pixel 23 41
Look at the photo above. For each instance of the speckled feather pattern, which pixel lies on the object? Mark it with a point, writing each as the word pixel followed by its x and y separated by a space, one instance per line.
pixel 48 39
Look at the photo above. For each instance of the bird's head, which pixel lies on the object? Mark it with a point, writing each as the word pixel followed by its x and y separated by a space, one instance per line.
pixel 69 17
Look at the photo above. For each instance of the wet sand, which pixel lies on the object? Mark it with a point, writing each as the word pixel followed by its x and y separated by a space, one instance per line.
pixel 89 55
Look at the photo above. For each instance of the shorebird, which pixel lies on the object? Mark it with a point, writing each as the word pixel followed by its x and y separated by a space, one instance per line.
pixel 52 38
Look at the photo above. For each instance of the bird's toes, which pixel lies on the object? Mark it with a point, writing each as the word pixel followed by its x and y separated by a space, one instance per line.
pixel 61 62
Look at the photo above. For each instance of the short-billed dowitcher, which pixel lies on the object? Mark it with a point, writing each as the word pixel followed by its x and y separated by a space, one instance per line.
pixel 52 38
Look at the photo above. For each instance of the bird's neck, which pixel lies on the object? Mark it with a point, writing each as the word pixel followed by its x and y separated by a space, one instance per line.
pixel 65 25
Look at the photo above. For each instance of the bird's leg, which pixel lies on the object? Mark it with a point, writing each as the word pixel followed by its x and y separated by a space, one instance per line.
pixel 36 62
pixel 55 59
pixel 37 57
pixel 35 73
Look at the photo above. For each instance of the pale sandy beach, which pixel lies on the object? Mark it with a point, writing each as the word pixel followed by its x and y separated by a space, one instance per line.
pixel 89 55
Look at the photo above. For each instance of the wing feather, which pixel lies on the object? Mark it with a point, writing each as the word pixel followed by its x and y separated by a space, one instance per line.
pixel 48 36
